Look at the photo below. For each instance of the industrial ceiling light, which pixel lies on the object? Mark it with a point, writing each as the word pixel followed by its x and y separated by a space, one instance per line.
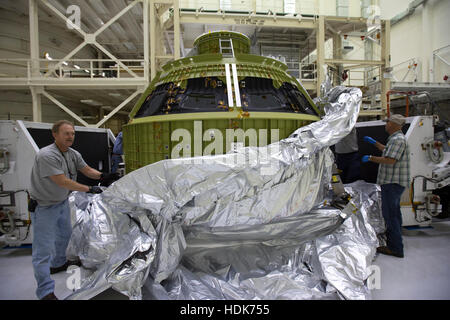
pixel 47 56
pixel 91 102
pixel 76 66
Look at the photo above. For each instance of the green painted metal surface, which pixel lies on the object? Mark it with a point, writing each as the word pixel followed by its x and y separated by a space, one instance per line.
pixel 153 138
pixel 209 43
pixel 150 140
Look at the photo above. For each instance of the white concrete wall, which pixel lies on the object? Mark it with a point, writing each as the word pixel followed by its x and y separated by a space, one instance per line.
pixel 406 44
pixel 441 38
pixel 307 6
pixel 417 36
pixel 390 8
pixel 327 7
pixel 264 6
pixel 354 8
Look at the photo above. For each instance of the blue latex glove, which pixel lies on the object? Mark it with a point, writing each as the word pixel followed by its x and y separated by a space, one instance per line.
pixel 365 159
pixel 369 140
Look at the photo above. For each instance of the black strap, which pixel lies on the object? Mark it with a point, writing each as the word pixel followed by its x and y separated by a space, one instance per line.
pixel 67 163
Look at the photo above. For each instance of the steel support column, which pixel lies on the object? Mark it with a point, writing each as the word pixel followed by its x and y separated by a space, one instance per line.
pixel 36 103
pixel 146 32
pixel 320 40
pixel 152 40
pixel 337 54
pixel 386 57
pixel 34 55
pixel 34 37
pixel 176 29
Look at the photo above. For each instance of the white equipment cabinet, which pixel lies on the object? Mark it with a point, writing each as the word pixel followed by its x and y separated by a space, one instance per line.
pixel 429 171
pixel 17 152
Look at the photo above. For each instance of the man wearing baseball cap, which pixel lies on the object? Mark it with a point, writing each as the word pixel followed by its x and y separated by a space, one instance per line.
pixel 393 177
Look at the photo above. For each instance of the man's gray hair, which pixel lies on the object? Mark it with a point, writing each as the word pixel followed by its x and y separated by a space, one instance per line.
pixel 59 123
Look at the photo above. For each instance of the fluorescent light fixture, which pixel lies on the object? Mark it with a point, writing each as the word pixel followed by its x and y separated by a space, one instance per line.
pixel 65 63
pixel 103 74
pixel 76 67
pixel 91 102
pixel 48 56
pixel 85 70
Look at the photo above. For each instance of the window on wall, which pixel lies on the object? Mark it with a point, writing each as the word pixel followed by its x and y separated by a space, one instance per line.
pixel 289 6
pixel 365 4
pixel 225 4
pixel 342 8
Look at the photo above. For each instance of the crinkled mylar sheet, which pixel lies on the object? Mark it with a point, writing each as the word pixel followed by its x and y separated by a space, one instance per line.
pixel 250 224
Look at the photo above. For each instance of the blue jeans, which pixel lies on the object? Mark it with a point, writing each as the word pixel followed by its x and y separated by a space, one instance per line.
pixel 390 206
pixel 51 234
pixel 350 164
pixel 116 159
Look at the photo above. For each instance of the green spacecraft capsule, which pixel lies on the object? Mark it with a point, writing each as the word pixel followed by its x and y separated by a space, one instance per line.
pixel 218 95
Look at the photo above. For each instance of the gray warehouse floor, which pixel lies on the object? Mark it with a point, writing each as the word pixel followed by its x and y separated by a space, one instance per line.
pixel 424 273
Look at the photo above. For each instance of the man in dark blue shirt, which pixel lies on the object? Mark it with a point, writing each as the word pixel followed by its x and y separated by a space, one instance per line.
pixel 117 153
